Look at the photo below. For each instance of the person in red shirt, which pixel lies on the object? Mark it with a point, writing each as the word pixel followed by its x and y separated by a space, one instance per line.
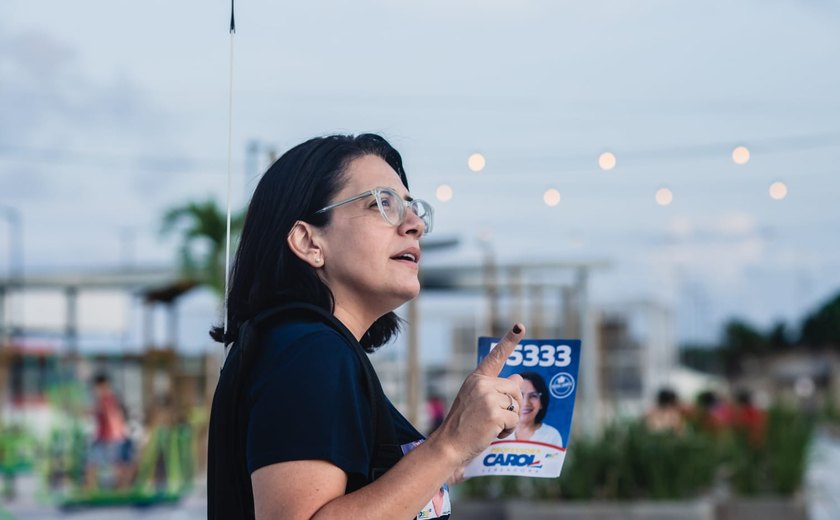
pixel 749 419
pixel 111 434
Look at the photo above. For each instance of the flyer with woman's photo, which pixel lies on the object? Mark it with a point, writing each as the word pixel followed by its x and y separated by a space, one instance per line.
pixel 549 370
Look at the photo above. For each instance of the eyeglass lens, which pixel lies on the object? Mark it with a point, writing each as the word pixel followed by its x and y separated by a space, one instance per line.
pixel 393 208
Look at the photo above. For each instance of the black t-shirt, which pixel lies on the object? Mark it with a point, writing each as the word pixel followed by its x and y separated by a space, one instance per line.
pixel 304 398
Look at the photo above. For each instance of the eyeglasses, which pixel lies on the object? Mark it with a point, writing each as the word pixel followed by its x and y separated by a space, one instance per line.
pixel 392 207
pixel 531 395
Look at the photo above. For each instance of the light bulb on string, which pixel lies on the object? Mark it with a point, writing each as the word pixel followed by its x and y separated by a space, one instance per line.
pixel 444 193
pixel 476 162
pixel 741 155
pixel 607 161
pixel 664 196
pixel 778 190
pixel 551 197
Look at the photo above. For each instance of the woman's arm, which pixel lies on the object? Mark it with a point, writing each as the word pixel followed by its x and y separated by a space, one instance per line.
pixel 312 489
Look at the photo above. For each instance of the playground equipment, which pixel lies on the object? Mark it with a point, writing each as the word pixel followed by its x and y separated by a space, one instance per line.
pixel 164 471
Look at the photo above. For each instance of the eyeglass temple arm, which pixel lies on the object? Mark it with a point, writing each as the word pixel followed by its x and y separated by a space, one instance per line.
pixel 346 201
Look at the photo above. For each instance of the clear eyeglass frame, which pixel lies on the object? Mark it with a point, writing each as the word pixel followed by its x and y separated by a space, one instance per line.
pixel 392 207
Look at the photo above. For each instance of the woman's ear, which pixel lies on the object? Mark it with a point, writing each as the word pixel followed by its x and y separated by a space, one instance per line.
pixel 303 242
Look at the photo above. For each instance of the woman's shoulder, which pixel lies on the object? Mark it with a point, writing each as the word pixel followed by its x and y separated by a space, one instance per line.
pixel 314 336
pixel 314 351
pixel 292 330
pixel 290 345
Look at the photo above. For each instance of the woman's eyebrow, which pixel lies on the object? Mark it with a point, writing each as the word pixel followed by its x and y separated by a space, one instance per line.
pixel 407 197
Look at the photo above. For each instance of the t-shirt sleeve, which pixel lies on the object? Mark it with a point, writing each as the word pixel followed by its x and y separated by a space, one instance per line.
pixel 308 402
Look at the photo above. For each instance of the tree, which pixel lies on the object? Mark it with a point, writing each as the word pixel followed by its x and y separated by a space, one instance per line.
pixel 740 340
pixel 822 327
pixel 779 338
pixel 203 227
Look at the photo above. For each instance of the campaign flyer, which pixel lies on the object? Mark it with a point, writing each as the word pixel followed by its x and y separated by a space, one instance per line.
pixel 549 370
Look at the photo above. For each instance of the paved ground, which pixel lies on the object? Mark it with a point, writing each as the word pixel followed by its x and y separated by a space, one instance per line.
pixel 822 494
pixel 27 507
pixel 822 483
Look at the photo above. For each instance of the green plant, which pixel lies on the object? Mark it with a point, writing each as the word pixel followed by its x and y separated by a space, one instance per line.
pixel 775 465
pixel 629 462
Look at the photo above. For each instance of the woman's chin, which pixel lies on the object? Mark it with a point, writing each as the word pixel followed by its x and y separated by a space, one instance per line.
pixel 400 298
pixel 410 292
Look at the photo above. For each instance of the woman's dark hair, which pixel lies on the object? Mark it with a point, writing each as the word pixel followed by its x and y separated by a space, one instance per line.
pixel 265 272
pixel 539 386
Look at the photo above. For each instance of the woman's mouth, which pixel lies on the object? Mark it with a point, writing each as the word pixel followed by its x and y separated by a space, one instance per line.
pixel 409 256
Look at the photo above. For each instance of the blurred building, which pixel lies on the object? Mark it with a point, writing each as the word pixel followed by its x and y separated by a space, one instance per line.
pixel 805 378
pixel 636 356
pixel 628 350
pixel 58 330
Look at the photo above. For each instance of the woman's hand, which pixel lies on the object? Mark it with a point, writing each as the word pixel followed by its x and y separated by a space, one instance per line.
pixel 480 413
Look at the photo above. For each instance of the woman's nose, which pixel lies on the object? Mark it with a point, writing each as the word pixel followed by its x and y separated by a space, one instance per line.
pixel 413 224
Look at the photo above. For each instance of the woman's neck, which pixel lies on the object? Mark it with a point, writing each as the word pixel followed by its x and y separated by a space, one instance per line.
pixel 355 321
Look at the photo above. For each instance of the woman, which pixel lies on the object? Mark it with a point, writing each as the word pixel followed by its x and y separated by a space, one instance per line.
pixel 296 430
pixel 535 400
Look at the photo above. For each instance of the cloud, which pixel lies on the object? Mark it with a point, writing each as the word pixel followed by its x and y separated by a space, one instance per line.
pixel 49 102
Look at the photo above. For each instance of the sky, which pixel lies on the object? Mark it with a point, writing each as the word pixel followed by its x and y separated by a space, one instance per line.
pixel 113 112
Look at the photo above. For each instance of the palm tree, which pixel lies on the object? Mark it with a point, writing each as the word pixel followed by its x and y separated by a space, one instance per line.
pixel 203 227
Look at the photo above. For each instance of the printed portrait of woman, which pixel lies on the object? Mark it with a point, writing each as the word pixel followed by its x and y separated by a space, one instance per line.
pixel 535 402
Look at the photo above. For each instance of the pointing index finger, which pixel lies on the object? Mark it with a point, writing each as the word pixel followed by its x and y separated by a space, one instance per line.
pixel 495 360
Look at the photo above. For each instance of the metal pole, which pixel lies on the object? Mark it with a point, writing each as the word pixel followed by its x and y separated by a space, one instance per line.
pixel 536 315
pixel 15 243
pixel 489 268
pixel 71 328
pixel 590 380
pixel 413 379
pixel 172 322
pixel 128 239
pixel 9 319
pixel 4 358
pixel 252 167
pixel 15 269
pixel 516 289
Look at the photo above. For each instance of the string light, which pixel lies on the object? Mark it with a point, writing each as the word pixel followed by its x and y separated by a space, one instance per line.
pixel 444 193
pixel 778 190
pixel 476 162
pixel 741 155
pixel 606 161
pixel 664 197
pixel 551 197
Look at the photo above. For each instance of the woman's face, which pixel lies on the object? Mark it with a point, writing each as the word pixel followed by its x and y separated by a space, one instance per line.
pixel 531 404
pixel 362 253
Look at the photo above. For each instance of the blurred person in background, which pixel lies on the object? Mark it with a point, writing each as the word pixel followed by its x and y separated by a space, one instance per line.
pixel 710 414
pixel 667 415
pixel 111 451
pixel 436 409
pixel 747 419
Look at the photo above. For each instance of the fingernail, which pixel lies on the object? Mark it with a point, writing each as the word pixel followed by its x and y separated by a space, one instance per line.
pixel 517 329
